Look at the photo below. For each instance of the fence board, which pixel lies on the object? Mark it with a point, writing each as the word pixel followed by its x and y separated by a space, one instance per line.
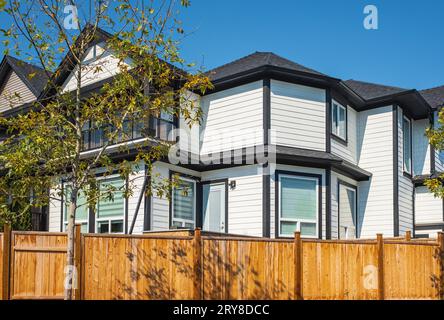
pixel 239 269
pixel 411 271
pixel 138 268
pixel 37 272
pixel 339 270
pixel 1 264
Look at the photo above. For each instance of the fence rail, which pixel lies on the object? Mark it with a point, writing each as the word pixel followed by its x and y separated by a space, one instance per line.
pixel 197 265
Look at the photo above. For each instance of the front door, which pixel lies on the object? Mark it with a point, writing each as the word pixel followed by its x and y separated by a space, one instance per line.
pixel 214 207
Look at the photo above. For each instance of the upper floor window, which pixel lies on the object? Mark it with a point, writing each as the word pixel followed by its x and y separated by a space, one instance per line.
pixel 407 145
pixel 339 120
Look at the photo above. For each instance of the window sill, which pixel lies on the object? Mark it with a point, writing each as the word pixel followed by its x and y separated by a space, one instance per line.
pixel 339 139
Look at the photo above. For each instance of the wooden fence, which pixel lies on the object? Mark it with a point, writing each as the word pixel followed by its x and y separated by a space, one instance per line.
pixel 194 265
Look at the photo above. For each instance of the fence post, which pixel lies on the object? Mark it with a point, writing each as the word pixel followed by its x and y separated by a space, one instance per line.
pixel 380 242
pixel 78 260
pixel 408 236
pixel 441 264
pixel 197 265
pixel 6 262
pixel 298 280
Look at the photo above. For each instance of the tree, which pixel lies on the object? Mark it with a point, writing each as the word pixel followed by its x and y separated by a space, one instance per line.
pixel 436 138
pixel 45 143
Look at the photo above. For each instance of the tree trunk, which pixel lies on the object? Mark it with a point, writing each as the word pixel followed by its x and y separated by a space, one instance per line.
pixel 69 269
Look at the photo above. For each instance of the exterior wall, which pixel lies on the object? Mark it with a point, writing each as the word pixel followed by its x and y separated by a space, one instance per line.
pixel 375 154
pixel 14 85
pixel 335 177
pixel 298 115
pixel 189 135
pixel 160 206
pixel 244 201
pixel 405 185
pixel 428 210
pixel 421 148
pixel 108 64
pixel 232 118
pixel 348 152
pixel 55 211
pixel 439 156
pixel 135 183
pixel 273 199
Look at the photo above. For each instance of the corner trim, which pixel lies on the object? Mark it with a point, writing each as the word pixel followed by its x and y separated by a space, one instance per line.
pixel 266 109
pixel 432 148
pixel 395 172
pixel 328 204
pixel 266 215
pixel 328 120
pixel 147 204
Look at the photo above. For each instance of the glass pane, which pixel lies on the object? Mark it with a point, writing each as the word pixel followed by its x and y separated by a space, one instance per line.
pixel 183 200
pixel 308 229
pixel 288 228
pixel 341 123
pixel 177 224
pixel 347 213
pixel 117 226
pixel 114 207
pixel 103 227
pixel 334 116
pixel 166 116
pixel 82 207
pixel 298 198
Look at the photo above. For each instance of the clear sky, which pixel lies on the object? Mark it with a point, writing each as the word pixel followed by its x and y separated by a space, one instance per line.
pixel 327 35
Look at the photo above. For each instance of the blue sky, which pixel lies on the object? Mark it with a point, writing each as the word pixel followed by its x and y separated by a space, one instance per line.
pixel 327 35
pixel 407 50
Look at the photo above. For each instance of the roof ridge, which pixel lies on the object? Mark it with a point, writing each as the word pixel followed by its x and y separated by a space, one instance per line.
pixel 234 61
pixel 433 88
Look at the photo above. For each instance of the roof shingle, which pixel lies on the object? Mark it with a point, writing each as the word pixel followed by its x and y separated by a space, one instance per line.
pixel 434 96
pixel 370 91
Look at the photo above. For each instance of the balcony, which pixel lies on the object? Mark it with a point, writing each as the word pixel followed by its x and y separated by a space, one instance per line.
pixel 158 128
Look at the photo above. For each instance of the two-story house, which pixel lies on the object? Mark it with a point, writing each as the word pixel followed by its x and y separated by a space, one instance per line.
pixel 348 158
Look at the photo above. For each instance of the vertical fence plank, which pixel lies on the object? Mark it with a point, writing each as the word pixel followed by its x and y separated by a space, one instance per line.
pixel 78 261
pixel 298 280
pixel 380 244
pixel 6 262
pixel 408 235
pixel 441 264
pixel 197 265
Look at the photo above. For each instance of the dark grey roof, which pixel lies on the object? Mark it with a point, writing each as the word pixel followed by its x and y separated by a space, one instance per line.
pixel 257 60
pixel 434 96
pixel 370 91
pixel 23 69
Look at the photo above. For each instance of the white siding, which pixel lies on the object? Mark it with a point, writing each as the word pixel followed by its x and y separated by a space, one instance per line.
pixel 135 184
pixel 244 201
pixel 428 209
pixel 405 185
pixel 103 66
pixel 232 118
pixel 160 206
pixel 298 115
pixel 189 132
pixel 335 177
pixel 273 194
pixel 55 211
pixel 421 148
pixel 347 152
pixel 375 151
pixel 12 87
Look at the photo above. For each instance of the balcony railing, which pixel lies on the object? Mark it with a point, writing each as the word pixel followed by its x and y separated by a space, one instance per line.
pixel 157 128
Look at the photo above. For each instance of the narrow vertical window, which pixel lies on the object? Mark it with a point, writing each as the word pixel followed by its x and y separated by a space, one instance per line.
pixel 110 211
pixel 184 204
pixel 407 145
pixel 339 120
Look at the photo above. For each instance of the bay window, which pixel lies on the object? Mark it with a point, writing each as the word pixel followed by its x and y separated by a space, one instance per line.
pixel 184 204
pixel 298 205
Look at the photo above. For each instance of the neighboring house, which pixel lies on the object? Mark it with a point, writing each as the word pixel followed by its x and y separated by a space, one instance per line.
pixel 350 157
pixel 21 84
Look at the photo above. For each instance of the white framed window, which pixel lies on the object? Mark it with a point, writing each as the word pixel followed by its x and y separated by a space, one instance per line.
pixel 339 120
pixel 82 213
pixel 407 144
pixel 298 205
pixel 184 204
pixel 110 213
pixel 347 211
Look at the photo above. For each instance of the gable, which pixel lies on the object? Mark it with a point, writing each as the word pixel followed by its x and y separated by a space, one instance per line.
pixel 14 92
pixel 98 64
